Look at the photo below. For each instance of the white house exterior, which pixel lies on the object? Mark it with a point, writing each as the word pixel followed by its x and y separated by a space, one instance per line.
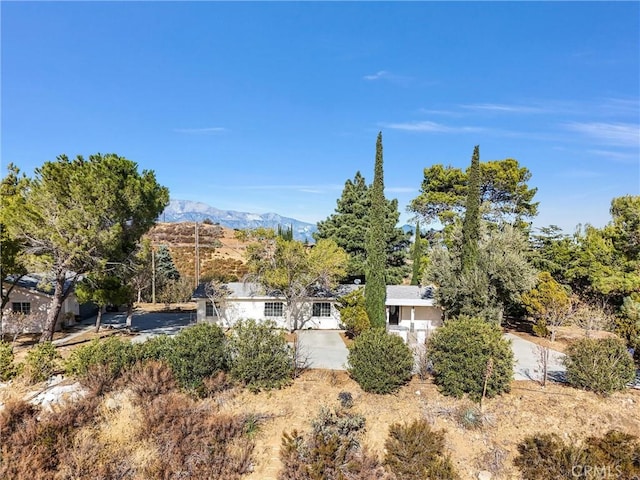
pixel 409 308
pixel 248 301
pixel 29 305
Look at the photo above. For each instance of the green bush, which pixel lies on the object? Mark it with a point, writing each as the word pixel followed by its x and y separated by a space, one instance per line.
pixel 353 314
pixel 113 353
pixel 380 362
pixel 259 355
pixel 601 365
pixel 415 452
pixel 547 456
pixel 196 353
pixel 7 368
pixel 41 362
pixel 465 353
pixel 156 348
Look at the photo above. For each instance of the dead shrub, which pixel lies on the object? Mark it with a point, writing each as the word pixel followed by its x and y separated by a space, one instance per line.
pixel 147 380
pixel 195 442
pixel 98 380
pixel 36 448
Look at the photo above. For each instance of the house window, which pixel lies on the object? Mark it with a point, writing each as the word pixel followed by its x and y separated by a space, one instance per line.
pixel 273 309
pixel 210 311
pixel 21 307
pixel 321 309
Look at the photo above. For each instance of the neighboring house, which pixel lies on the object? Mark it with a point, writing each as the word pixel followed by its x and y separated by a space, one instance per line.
pixel 29 304
pixel 408 307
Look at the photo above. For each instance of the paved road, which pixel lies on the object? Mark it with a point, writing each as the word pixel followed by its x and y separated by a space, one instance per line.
pixel 528 366
pixel 146 324
pixel 325 349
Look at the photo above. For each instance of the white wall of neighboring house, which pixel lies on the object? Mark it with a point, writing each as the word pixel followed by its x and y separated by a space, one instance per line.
pixel 39 304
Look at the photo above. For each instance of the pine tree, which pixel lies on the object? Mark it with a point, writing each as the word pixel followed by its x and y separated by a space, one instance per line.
pixel 471 223
pixel 165 268
pixel 349 224
pixel 375 289
pixel 416 255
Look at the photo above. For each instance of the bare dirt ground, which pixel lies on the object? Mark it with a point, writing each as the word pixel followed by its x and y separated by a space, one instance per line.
pixel 527 410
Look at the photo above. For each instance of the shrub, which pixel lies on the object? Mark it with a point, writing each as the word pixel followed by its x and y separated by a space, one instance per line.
pixel 259 355
pixel 155 348
pixel 41 362
pixel 111 352
pixel 149 379
pixel 468 353
pixel 346 399
pixel 353 314
pixel 546 456
pixel 601 365
pixel 34 443
pixel 7 368
pixel 415 452
pixel 196 353
pixel 332 450
pixel 196 442
pixel 380 362
pixel 469 417
pixel 616 451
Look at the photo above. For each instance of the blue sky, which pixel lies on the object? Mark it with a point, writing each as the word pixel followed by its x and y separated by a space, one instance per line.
pixel 271 107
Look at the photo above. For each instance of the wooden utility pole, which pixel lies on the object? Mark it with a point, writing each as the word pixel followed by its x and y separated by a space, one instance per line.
pixel 153 274
pixel 197 259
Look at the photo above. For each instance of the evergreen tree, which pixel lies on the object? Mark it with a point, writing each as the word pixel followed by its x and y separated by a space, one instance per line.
pixel 165 268
pixel 471 223
pixel 416 255
pixel 285 234
pixel 349 225
pixel 375 288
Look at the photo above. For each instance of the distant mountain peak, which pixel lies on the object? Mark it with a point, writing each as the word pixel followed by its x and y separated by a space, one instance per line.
pixel 190 211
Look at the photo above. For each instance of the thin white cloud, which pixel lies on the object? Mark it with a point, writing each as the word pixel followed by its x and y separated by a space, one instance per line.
pixel 503 108
pixel 377 76
pixel 431 127
pixel 616 156
pixel 620 134
pixel 446 113
pixel 201 131
pixel 389 77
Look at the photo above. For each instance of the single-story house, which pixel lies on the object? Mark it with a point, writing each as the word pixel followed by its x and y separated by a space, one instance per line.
pixel 408 307
pixel 29 304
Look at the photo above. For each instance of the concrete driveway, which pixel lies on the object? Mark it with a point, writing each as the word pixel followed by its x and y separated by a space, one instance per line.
pixel 324 348
pixel 527 366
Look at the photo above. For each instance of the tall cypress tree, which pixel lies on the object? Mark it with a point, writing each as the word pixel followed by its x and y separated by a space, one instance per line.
pixel 348 227
pixel 471 223
pixel 416 256
pixel 375 288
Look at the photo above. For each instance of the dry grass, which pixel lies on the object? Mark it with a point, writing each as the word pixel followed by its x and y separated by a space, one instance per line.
pixel 528 409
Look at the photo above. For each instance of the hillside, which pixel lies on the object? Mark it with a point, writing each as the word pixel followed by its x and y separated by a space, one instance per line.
pixel 221 253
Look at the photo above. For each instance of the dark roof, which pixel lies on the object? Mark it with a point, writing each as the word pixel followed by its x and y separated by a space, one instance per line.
pixel 249 290
pixel 37 283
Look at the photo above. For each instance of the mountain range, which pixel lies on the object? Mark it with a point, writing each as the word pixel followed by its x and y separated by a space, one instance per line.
pixel 188 211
